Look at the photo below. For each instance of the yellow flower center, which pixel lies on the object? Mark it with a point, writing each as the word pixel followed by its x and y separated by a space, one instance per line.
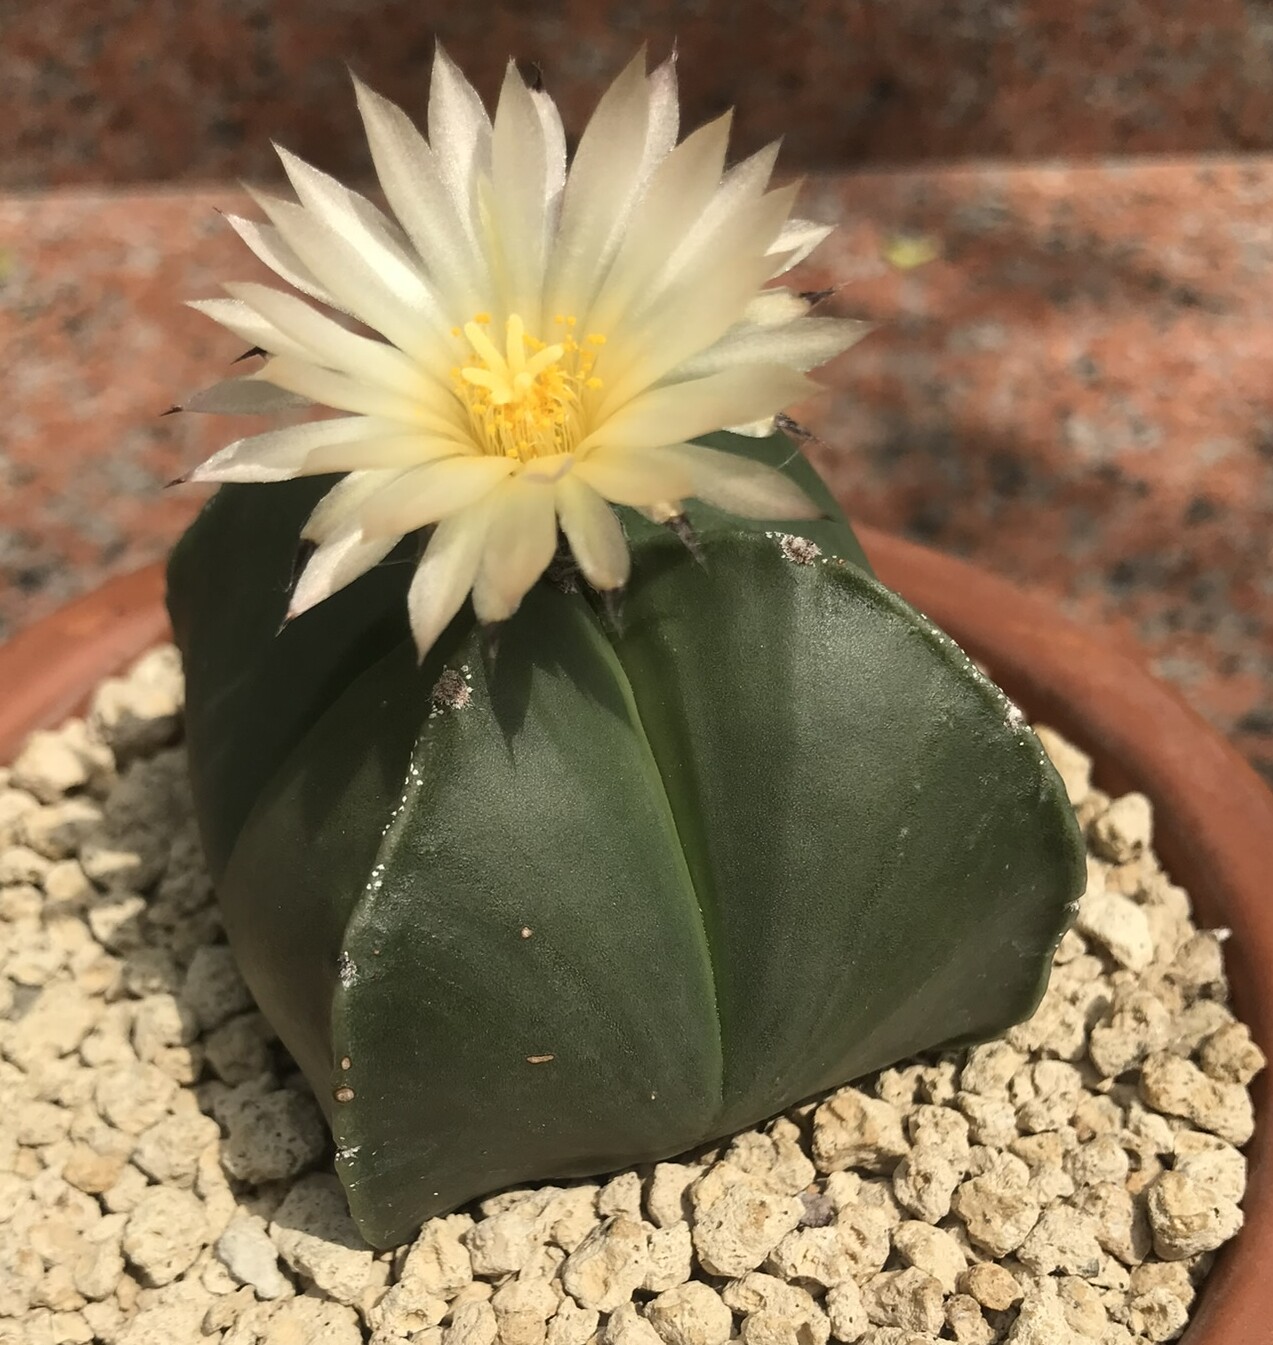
pixel 525 401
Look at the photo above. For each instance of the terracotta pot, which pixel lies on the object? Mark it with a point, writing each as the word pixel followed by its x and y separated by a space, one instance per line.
pixel 1214 816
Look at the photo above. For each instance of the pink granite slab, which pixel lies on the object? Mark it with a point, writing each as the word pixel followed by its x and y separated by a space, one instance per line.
pixel 1076 390
pixel 114 91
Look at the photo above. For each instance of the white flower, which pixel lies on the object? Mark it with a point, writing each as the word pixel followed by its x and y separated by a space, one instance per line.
pixel 549 339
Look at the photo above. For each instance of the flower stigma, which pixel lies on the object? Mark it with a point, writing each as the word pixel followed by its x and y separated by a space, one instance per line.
pixel 528 400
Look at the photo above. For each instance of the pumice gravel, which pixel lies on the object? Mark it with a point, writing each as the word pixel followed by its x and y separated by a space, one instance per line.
pixel 166 1178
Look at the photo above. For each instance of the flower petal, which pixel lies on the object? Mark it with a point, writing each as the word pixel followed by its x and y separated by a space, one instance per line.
pixel 268 245
pixel 343 210
pixel 665 113
pixel 679 191
pixel 755 429
pixel 343 393
pixel 519 204
pixel 459 133
pixel 797 240
pixel 635 477
pixel 409 176
pixel 430 493
pixel 604 179
pixel 520 545
pixel 391 451
pixel 773 307
pixel 736 201
pixel 388 296
pixel 803 344
pixel 669 414
pixel 344 557
pixel 594 533
pixel 444 577
pixel 246 396
pixel 554 134
pixel 698 309
pixel 281 455
pixel 316 336
pixel 740 486
pixel 252 327
pixel 344 504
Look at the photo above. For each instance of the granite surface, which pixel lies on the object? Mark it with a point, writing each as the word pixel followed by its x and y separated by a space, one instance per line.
pixel 1070 384
pixel 113 91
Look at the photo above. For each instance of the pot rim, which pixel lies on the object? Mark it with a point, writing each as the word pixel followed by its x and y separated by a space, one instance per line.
pixel 1213 815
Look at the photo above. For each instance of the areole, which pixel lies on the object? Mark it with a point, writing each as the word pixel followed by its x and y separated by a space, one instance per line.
pixel 1214 814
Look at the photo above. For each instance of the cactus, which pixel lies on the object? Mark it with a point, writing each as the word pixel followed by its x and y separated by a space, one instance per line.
pixel 642 880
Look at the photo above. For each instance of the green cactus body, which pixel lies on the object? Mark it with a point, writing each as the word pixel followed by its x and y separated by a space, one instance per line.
pixel 630 890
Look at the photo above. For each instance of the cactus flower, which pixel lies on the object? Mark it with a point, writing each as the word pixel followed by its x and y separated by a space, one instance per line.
pixel 548 338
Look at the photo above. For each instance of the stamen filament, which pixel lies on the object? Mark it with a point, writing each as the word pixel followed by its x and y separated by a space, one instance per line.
pixel 520 407
pixel 485 347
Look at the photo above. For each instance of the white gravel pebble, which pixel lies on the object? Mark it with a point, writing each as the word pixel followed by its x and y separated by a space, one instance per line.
pixel 213 989
pixel 245 1249
pixel 165 1231
pixel 609 1265
pixel 932 1250
pixel 667 1198
pixel 671 1258
pixel 438 1259
pixel 316 1237
pixel 571 1324
pixel 271 1137
pixel 690 1314
pixel 854 1130
pixel 734 1233
pixel 1188 1217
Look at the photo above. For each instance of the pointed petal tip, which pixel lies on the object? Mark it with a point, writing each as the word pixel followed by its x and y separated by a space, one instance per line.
pixel 442 59
pixel 489 633
pixel 421 652
pixel 305 549
pixel 612 601
pixel 363 92
pixel 683 529
pixel 791 426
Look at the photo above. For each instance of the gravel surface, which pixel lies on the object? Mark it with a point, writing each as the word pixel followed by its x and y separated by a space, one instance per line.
pixel 165 1176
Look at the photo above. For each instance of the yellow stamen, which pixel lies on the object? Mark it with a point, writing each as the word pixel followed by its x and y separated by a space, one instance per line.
pixel 485 347
pixel 516 343
pixel 525 406
pixel 546 358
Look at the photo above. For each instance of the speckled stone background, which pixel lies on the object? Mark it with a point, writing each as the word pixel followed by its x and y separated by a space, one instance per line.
pixel 1060 215
pixel 164 90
